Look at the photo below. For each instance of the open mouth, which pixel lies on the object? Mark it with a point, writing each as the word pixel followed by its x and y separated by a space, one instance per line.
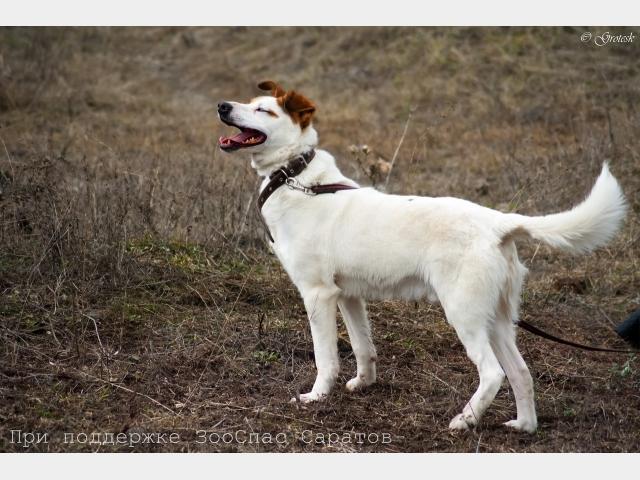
pixel 247 137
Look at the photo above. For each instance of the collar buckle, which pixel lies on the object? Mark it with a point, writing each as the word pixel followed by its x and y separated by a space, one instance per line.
pixel 294 184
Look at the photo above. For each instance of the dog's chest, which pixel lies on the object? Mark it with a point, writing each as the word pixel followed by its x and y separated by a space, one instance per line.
pixel 293 232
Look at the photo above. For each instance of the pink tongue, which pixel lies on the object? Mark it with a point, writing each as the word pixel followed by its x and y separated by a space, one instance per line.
pixel 242 136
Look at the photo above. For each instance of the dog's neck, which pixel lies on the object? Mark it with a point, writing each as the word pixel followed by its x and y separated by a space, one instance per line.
pixel 267 162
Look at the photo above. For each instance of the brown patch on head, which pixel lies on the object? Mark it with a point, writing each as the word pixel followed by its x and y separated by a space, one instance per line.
pixel 297 106
pixel 271 86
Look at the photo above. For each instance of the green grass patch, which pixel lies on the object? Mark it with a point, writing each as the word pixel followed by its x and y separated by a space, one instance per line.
pixel 177 253
pixel 265 356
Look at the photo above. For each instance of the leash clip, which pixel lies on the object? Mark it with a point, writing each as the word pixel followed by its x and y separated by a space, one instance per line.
pixel 294 184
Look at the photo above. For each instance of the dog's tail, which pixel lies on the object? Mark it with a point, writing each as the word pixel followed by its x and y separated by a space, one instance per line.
pixel 587 226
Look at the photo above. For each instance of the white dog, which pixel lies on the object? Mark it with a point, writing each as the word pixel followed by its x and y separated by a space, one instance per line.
pixel 342 248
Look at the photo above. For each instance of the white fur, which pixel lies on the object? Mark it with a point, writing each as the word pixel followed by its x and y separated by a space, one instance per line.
pixel 587 226
pixel 340 249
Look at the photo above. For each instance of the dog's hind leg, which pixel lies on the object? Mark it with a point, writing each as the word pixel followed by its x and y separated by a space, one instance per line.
pixel 469 306
pixel 503 342
pixel 321 306
pixel 355 318
pixel 474 337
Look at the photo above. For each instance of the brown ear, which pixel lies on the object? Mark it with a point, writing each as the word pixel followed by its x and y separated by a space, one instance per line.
pixel 271 86
pixel 299 107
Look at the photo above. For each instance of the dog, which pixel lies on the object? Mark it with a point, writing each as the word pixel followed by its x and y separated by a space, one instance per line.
pixel 357 244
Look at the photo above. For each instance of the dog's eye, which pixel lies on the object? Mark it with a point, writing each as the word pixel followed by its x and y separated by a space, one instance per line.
pixel 267 111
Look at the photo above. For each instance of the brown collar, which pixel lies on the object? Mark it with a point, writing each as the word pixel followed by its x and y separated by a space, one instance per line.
pixel 286 175
pixel 280 176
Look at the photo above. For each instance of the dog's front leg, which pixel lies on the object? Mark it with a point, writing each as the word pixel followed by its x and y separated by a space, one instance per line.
pixel 321 305
pixel 355 318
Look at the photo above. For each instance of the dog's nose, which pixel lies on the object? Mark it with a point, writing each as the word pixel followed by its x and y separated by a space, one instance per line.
pixel 224 108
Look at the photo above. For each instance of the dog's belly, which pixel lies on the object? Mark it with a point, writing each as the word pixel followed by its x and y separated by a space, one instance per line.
pixel 407 288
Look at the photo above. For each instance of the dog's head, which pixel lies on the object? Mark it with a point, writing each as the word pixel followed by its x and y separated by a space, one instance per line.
pixel 268 123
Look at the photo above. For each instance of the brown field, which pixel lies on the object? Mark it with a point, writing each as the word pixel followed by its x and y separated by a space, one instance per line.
pixel 137 294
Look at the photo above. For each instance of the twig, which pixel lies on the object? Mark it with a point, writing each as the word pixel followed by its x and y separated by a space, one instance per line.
pixel 244 283
pixel 184 404
pixel 535 253
pixel 478 444
pixel 395 154
pixel 238 234
pixel 201 299
pixel 95 324
pixel 8 157
pixel 127 390
pixel 230 243
pixel 442 381
pixel 261 411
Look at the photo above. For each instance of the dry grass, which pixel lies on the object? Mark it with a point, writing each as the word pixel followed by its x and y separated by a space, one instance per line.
pixel 138 296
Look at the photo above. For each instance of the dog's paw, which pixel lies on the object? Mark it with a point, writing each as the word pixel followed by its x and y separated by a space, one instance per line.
pixel 308 397
pixel 522 425
pixel 462 422
pixel 357 383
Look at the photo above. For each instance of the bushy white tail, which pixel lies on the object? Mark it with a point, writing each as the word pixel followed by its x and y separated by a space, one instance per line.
pixel 587 226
